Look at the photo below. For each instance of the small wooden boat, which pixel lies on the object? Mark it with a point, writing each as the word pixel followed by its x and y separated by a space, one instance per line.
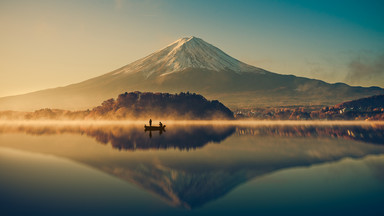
pixel 153 128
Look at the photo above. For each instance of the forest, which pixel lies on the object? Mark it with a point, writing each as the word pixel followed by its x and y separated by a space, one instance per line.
pixel 137 105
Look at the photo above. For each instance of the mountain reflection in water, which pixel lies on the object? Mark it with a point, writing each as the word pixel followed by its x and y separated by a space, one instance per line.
pixel 194 178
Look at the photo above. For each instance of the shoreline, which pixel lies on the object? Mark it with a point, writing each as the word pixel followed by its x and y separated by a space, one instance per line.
pixel 193 122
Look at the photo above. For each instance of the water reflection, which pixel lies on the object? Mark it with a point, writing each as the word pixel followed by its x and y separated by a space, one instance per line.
pixel 190 179
pixel 188 137
pixel 150 132
pixel 134 137
pixel 369 134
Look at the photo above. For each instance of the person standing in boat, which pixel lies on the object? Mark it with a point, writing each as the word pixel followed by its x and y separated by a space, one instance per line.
pixel 150 122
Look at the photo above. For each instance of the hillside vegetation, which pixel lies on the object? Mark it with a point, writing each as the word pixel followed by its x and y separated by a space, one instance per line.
pixel 138 105
pixel 370 108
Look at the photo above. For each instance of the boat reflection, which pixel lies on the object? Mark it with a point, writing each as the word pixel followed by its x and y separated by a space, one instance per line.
pixel 150 132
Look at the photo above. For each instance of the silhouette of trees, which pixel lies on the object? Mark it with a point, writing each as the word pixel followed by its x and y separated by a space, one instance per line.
pixel 148 104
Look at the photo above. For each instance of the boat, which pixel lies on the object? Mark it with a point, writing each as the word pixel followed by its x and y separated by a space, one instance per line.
pixel 153 128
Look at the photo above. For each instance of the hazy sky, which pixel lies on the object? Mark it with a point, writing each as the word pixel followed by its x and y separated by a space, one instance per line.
pixel 55 43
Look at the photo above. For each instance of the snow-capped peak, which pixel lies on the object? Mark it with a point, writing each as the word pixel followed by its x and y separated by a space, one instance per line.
pixel 188 52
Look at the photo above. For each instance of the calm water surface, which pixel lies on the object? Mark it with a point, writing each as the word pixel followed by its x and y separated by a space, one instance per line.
pixel 191 170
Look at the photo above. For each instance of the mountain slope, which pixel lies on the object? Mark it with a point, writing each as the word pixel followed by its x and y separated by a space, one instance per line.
pixel 185 53
pixel 374 102
pixel 191 64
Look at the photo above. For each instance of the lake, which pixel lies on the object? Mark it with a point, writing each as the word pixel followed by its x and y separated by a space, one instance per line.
pixel 245 168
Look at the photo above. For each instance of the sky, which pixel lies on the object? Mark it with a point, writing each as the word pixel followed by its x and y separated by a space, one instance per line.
pixel 46 44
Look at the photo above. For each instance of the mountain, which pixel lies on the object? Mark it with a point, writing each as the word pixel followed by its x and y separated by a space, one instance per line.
pixel 191 64
pixel 374 102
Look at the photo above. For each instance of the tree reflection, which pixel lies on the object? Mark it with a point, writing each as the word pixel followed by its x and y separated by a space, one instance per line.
pixel 134 137
pixel 181 138
pixel 185 137
pixel 368 134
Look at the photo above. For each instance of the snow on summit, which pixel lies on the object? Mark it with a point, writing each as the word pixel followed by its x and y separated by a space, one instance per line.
pixel 189 52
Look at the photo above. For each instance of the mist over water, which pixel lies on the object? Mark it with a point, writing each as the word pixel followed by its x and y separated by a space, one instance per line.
pixel 192 167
